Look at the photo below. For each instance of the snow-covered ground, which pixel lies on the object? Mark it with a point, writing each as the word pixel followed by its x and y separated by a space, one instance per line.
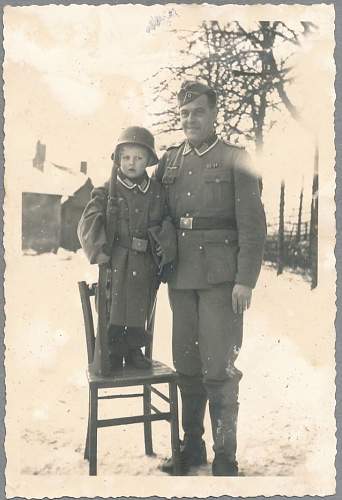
pixel 286 424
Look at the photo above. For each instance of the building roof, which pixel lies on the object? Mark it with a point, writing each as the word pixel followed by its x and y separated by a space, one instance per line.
pixel 55 179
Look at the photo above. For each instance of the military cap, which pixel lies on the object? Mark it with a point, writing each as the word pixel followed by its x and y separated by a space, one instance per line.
pixel 191 89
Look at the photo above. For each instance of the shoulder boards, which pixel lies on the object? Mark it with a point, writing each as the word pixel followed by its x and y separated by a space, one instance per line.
pixel 175 146
pixel 227 143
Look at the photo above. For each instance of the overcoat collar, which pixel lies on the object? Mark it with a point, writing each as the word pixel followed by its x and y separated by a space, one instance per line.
pixel 142 184
pixel 203 148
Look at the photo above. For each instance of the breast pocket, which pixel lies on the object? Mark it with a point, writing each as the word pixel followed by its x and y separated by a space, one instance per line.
pixel 218 186
pixel 123 209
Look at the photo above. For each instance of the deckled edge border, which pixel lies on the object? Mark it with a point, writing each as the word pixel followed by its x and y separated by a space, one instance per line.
pixel 338 199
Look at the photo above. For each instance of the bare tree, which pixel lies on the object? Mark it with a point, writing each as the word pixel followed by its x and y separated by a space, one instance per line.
pixel 245 66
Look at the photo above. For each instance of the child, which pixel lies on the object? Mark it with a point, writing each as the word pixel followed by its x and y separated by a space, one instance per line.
pixel 145 242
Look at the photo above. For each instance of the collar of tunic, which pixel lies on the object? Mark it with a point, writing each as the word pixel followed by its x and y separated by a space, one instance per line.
pixel 203 148
pixel 143 185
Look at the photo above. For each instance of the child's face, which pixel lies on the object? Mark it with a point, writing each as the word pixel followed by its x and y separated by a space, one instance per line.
pixel 133 160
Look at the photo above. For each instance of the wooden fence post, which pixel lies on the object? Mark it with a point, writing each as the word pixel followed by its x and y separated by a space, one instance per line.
pixel 313 249
pixel 281 229
pixel 299 223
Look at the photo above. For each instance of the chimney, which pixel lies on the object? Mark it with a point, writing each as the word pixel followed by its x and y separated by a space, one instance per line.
pixel 84 167
pixel 39 160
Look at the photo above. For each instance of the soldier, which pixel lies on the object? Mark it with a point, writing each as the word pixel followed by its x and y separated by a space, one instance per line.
pixel 214 200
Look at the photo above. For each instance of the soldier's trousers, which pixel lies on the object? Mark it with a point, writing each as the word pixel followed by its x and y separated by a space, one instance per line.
pixel 206 339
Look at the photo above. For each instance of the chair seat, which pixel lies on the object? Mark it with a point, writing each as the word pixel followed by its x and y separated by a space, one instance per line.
pixel 158 373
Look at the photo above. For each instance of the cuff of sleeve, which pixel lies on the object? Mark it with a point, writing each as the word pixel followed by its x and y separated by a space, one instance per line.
pixel 102 258
pixel 247 285
pixel 165 237
pixel 245 281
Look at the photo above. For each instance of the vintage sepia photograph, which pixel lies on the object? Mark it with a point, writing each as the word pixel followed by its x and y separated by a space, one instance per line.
pixel 169 235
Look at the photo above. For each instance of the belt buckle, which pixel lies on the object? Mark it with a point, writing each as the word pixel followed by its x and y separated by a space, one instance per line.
pixel 139 245
pixel 185 222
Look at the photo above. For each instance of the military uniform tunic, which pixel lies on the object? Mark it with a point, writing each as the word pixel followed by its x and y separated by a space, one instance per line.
pixel 215 182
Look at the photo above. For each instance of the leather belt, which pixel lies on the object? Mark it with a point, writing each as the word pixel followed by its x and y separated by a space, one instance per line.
pixel 205 223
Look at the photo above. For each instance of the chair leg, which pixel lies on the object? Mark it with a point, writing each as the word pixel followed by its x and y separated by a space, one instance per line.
pixel 147 423
pixel 86 448
pixel 174 428
pixel 93 431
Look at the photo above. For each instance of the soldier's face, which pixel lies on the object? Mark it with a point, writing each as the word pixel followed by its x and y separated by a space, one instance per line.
pixel 198 118
pixel 133 160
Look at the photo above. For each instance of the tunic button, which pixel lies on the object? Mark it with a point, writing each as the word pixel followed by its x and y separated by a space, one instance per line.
pixel 134 273
pixel 226 242
pixel 136 210
pixel 189 194
pixel 217 180
pixel 190 172
pixel 201 247
pixel 183 234
pixel 187 215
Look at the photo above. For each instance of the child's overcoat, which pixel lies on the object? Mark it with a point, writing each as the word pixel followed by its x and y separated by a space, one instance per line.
pixel 142 212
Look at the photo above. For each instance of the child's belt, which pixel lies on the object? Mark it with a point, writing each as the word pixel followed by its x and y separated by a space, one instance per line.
pixel 136 244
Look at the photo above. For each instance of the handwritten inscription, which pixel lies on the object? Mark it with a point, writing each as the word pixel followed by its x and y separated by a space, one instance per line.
pixel 156 21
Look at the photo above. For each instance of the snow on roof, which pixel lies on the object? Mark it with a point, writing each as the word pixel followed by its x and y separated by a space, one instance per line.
pixel 55 179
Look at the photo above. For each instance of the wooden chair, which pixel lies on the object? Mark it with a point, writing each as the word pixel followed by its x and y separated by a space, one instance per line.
pixel 127 377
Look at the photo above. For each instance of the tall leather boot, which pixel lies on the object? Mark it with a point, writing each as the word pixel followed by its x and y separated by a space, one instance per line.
pixel 223 408
pixel 194 401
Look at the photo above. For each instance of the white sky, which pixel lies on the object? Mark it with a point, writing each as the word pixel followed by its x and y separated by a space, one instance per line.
pixel 75 76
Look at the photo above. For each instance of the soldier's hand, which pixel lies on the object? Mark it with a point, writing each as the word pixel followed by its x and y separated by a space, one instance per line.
pixel 241 298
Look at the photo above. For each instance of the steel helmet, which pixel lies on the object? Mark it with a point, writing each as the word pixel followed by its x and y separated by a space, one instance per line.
pixel 136 135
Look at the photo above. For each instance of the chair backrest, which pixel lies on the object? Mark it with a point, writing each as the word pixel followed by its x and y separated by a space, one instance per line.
pixel 86 292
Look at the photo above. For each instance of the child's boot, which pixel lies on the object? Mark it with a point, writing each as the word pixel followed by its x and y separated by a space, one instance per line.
pixel 136 358
pixel 117 347
pixel 116 361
